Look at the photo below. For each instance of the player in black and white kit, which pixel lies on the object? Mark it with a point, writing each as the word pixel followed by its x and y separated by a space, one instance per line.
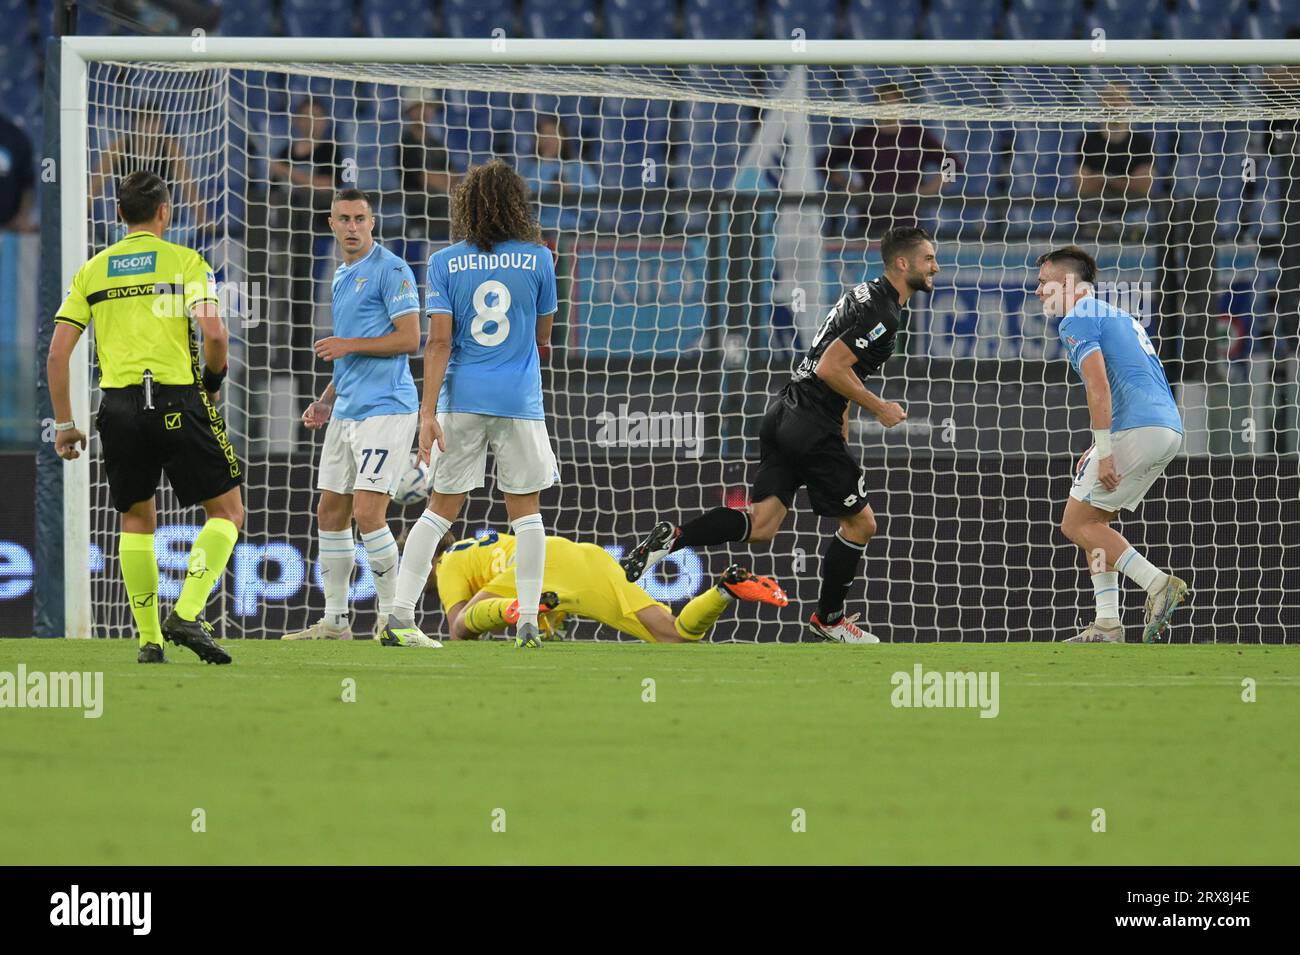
pixel 804 437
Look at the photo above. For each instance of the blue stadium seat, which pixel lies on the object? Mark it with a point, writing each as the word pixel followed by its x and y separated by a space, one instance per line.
pixel 708 140
pixel 246 18
pixel 1040 20
pixel 468 116
pixel 1044 160
pixel 317 17
pixel 397 18
pixel 640 19
pixel 573 19
pixel 874 20
pixel 819 19
pixel 721 19
pixel 1127 19
pixel 632 131
pixel 1202 20
pixel 1270 20
pixel 20 79
pixel 472 19
pixel 962 20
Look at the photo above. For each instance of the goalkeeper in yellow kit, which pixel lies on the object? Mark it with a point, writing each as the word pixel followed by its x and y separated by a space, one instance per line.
pixel 475 580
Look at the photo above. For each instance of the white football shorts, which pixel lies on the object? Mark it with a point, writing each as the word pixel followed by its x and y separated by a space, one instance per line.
pixel 522 448
pixel 366 455
pixel 1141 456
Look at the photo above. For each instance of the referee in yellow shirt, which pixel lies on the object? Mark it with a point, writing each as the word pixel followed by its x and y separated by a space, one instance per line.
pixel 158 414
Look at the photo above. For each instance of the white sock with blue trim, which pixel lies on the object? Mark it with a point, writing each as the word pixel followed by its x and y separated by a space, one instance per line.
pixel 1106 588
pixel 417 561
pixel 1141 571
pixel 382 552
pixel 338 555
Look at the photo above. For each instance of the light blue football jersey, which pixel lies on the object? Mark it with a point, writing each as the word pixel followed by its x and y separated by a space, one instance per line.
pixel 494 300
pixel 1139 391
pixel 367 296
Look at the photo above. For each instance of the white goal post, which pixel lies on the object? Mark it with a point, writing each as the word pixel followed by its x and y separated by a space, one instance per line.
pixel 675 291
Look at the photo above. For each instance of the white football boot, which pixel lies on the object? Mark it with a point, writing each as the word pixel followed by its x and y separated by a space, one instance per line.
pixel 321 630
pixel 844 630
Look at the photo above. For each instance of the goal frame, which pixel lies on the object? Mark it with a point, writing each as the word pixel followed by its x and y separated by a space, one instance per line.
pixel 77 52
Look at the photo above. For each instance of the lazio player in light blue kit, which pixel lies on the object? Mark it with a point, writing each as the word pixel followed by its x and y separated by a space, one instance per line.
pixel 369 411
pixel 1136 431
pixel 491 300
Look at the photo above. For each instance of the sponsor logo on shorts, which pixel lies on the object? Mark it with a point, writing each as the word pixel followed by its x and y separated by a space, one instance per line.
pixel 140 263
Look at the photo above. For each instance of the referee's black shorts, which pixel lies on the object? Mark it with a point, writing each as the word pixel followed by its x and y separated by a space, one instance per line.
pixel 796 451
pixel 182 436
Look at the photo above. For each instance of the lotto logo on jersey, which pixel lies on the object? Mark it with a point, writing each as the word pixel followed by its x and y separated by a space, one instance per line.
pixel 141 263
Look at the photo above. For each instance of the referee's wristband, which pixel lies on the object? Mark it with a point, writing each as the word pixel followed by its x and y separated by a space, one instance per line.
pixel 1101 440
pixel 212 379
pixel 64 426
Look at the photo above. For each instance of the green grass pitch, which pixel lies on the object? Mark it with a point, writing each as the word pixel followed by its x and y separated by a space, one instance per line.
pixel 737 739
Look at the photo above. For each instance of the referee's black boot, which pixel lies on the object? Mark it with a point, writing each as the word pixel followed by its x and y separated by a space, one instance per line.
pixel 151 653
pixel 196 635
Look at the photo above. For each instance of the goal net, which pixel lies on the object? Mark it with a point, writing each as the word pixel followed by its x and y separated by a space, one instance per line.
pixel 705 218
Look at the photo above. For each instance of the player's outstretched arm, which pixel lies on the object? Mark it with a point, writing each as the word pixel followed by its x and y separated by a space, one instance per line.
pixel 1093 371
pixel 404 339
pixel 67 441
pixel 835 367
pixel 437 352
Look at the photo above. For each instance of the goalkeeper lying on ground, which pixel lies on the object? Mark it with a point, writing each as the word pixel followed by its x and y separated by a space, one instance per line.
pixel 475 581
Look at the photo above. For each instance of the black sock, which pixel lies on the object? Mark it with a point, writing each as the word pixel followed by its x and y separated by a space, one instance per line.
pixel 839 568
pixel 722 525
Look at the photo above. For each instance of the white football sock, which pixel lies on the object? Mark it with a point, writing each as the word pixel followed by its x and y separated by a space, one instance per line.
pixel 530 562
pixel 338 555
pixel 1106 588
pixel 1141 571
pixel 382 551
pixel 417 561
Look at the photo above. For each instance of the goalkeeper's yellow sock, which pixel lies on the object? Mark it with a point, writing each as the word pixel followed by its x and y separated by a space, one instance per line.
pixel 140 574
pixel 698 617
pixel 487 614
pixel 208 559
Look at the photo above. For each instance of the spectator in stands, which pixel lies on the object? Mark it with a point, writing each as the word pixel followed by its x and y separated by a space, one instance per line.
pixel 307 171
pixel 884 170
pixel 1115 163
pixel 17 179
pixel 427 179
pixel 1283 139
pixel 148 146
pixel 562 184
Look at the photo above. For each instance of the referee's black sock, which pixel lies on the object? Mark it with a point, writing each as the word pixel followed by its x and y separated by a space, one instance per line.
pixel 839 569
pixel 722 525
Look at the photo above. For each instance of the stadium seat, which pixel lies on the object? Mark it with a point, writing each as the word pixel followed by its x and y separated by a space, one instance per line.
pixel 875 20
pixel 317 17
pixel 1206 19
pixel 474 18
pixel 708 139
pixel 633 133
pixel 721 19
pixel 1127 19
pixel 468 115
pixel 1270 20
pixel 398 18
pixel 246 18
pixel 547 19
pixel 1040 20
pixel 961 20
pixel 640 19
pixel 819 19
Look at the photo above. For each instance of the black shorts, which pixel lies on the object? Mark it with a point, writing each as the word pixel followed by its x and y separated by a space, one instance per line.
pixel 183 437
pixel 796 451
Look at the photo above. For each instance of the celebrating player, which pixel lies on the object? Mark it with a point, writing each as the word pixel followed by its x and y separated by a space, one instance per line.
pixel 476 587
pixel 804 437
pixel 154 417
pixel 491 300
pixel 368 411
pixel 1136 432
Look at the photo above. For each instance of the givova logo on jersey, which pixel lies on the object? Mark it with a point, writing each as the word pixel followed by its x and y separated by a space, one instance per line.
pixel 138 263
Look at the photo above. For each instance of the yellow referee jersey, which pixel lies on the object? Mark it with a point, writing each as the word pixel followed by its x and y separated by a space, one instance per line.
pixel 141 293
